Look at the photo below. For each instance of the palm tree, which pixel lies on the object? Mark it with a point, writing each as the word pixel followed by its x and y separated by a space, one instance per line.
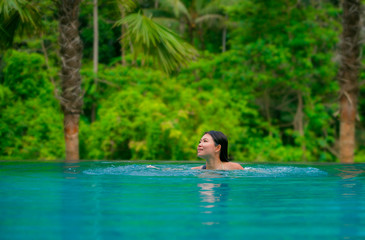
pixel 349 50
pixel 151 38
pixel 22 17
pixel 71 53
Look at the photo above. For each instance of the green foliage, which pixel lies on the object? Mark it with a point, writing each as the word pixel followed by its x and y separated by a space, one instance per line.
pixel 273 93
pixel 107 48
pixel 31 124
pixel 360 156
pixel 24 75
pixel 150 118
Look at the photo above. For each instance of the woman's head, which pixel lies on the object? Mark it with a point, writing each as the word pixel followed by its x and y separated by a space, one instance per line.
pixel 213 142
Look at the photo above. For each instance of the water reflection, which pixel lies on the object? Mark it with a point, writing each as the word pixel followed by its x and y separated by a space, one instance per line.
pixel 213 199
pixel 350 190
pixel 71 169
pixel 212 174
pixel 72 198
pixel 350 171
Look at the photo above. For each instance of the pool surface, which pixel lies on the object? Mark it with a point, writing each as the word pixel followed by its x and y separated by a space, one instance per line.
pixel 131 200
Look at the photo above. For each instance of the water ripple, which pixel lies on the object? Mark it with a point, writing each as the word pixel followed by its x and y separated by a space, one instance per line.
pixel 185 170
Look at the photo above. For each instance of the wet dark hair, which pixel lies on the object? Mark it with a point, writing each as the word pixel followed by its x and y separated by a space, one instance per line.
pixel 220 139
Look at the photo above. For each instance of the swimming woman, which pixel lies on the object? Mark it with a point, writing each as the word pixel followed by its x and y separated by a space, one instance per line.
pixel 213 147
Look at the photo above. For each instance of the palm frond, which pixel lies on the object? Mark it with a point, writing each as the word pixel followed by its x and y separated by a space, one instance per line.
pixel 177 7
pixel 154 40
pixel 209 18
pixel 211 8
pixel 17 17
pixel 127 5
pixel 6 7
pixel 158 13
pixel 26 11
pixel 167 22
pixel 199 4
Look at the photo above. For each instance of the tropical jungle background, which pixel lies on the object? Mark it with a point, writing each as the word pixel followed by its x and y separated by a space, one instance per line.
pixel 264 73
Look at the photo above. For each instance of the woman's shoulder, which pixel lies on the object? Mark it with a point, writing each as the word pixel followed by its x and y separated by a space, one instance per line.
pixel 200 167
pixel 233 166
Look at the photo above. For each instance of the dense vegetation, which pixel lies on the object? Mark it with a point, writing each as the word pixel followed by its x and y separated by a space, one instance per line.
pixel 271 87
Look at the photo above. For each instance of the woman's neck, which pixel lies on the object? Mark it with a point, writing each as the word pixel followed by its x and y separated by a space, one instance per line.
pixel 214 162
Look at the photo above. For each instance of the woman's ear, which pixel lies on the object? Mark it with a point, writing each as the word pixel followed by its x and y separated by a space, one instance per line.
pixel 218 148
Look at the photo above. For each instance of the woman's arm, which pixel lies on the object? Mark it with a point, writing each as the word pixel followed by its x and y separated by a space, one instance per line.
pixel 200 167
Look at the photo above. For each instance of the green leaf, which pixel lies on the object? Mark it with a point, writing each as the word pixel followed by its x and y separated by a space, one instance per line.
pixel 17 17
pixel 154 40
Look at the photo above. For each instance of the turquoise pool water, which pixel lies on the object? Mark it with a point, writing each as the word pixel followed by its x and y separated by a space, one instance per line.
pixel 128 200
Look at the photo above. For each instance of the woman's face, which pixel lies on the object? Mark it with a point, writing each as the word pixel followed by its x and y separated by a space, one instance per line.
pixel 206 146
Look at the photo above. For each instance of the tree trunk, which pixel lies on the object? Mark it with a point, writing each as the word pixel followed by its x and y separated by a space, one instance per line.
pixel 201 37
pixel 71 131
pixel 46 59
pixel 122 41
pixel 96 38
pixel 182 26
pixel 95 57
pixel 267 109
pixel 299 122
pixel 71 53
pixel 349 50
pixel 224 34
pixel 191 32
pixel 132 52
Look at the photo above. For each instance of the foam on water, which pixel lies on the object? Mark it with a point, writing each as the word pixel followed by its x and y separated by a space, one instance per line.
pixel 185 170
pixel 284 171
